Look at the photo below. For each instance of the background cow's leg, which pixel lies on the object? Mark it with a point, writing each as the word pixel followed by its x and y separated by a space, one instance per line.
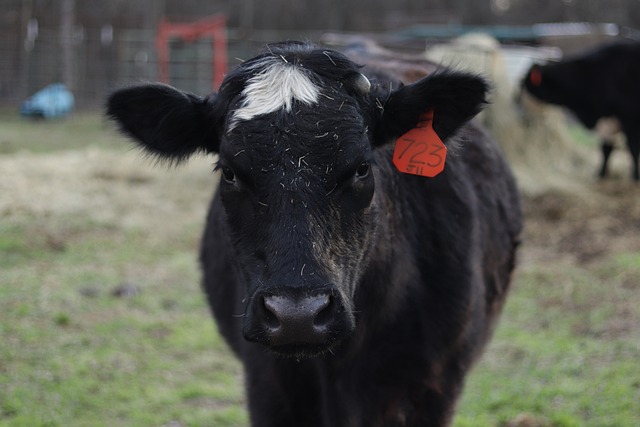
pixel 631 131
pixel 607 146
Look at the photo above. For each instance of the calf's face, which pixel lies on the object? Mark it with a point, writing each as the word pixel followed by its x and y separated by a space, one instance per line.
pixel 298 192
pixel 298 178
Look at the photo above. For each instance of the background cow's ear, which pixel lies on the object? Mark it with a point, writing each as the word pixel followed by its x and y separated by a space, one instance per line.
pixel 454 96
pixel 165 121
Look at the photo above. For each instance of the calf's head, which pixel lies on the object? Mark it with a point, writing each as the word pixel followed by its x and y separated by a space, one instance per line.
pixel 295 130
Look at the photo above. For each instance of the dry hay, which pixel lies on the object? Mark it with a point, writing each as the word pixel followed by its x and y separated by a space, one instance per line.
pixel 121 188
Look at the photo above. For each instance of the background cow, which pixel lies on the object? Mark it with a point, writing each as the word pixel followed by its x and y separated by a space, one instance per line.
pixel 354 294
pixel 600 84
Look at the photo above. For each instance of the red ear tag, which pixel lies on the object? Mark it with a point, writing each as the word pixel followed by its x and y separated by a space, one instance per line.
pixel 420 151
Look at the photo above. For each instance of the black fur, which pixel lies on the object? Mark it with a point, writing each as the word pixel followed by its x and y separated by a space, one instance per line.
pixel 404 276
pixel 166 122
pixel 597 84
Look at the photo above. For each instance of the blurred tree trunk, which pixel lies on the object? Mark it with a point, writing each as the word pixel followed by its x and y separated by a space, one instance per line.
pixel 67 20
pixel 25 45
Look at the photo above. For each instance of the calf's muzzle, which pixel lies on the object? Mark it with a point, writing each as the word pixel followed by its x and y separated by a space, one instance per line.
pixel 297 320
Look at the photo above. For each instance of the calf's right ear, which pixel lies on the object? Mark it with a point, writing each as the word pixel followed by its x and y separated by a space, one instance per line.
pixel 165 121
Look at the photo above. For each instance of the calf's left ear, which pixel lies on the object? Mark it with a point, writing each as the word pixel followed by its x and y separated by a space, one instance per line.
pixel 166 122
pixel 455 97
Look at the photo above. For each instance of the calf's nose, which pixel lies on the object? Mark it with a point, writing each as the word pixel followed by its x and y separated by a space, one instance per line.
pixel 297 321
pixel 289 320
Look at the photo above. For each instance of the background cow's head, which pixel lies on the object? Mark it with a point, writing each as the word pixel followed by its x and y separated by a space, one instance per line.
pixel 555 83
pixel 295 129
pixel 542 84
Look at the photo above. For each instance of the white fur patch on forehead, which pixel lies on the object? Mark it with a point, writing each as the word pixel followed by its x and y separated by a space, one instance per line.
pixel 274 88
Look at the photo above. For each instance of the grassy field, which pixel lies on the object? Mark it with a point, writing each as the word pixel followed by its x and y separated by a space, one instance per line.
pixel 102 321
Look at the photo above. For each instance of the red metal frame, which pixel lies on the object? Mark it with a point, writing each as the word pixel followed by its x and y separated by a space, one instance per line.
pixel 214 26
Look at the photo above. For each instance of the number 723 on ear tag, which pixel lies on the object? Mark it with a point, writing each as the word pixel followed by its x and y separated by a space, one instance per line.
pixel 420 151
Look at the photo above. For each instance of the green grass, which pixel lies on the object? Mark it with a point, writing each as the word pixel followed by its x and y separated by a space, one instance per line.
pixel 78 131
pixel 566 352
pixel 583 136
pixel 74 354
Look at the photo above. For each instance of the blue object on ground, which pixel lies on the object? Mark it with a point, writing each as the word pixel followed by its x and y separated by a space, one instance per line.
pixel 54 100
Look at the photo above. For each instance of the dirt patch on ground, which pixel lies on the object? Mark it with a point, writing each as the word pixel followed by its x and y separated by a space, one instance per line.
pixel 584 226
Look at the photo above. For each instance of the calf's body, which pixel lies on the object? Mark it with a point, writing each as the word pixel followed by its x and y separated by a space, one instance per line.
pixel 355 295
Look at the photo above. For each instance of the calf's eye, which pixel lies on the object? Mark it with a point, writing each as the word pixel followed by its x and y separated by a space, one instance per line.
pixel 363 170
pixel 228 175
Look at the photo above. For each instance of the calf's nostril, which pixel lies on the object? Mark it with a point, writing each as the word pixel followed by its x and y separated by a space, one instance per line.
pixel 326 313
pixel 270 313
